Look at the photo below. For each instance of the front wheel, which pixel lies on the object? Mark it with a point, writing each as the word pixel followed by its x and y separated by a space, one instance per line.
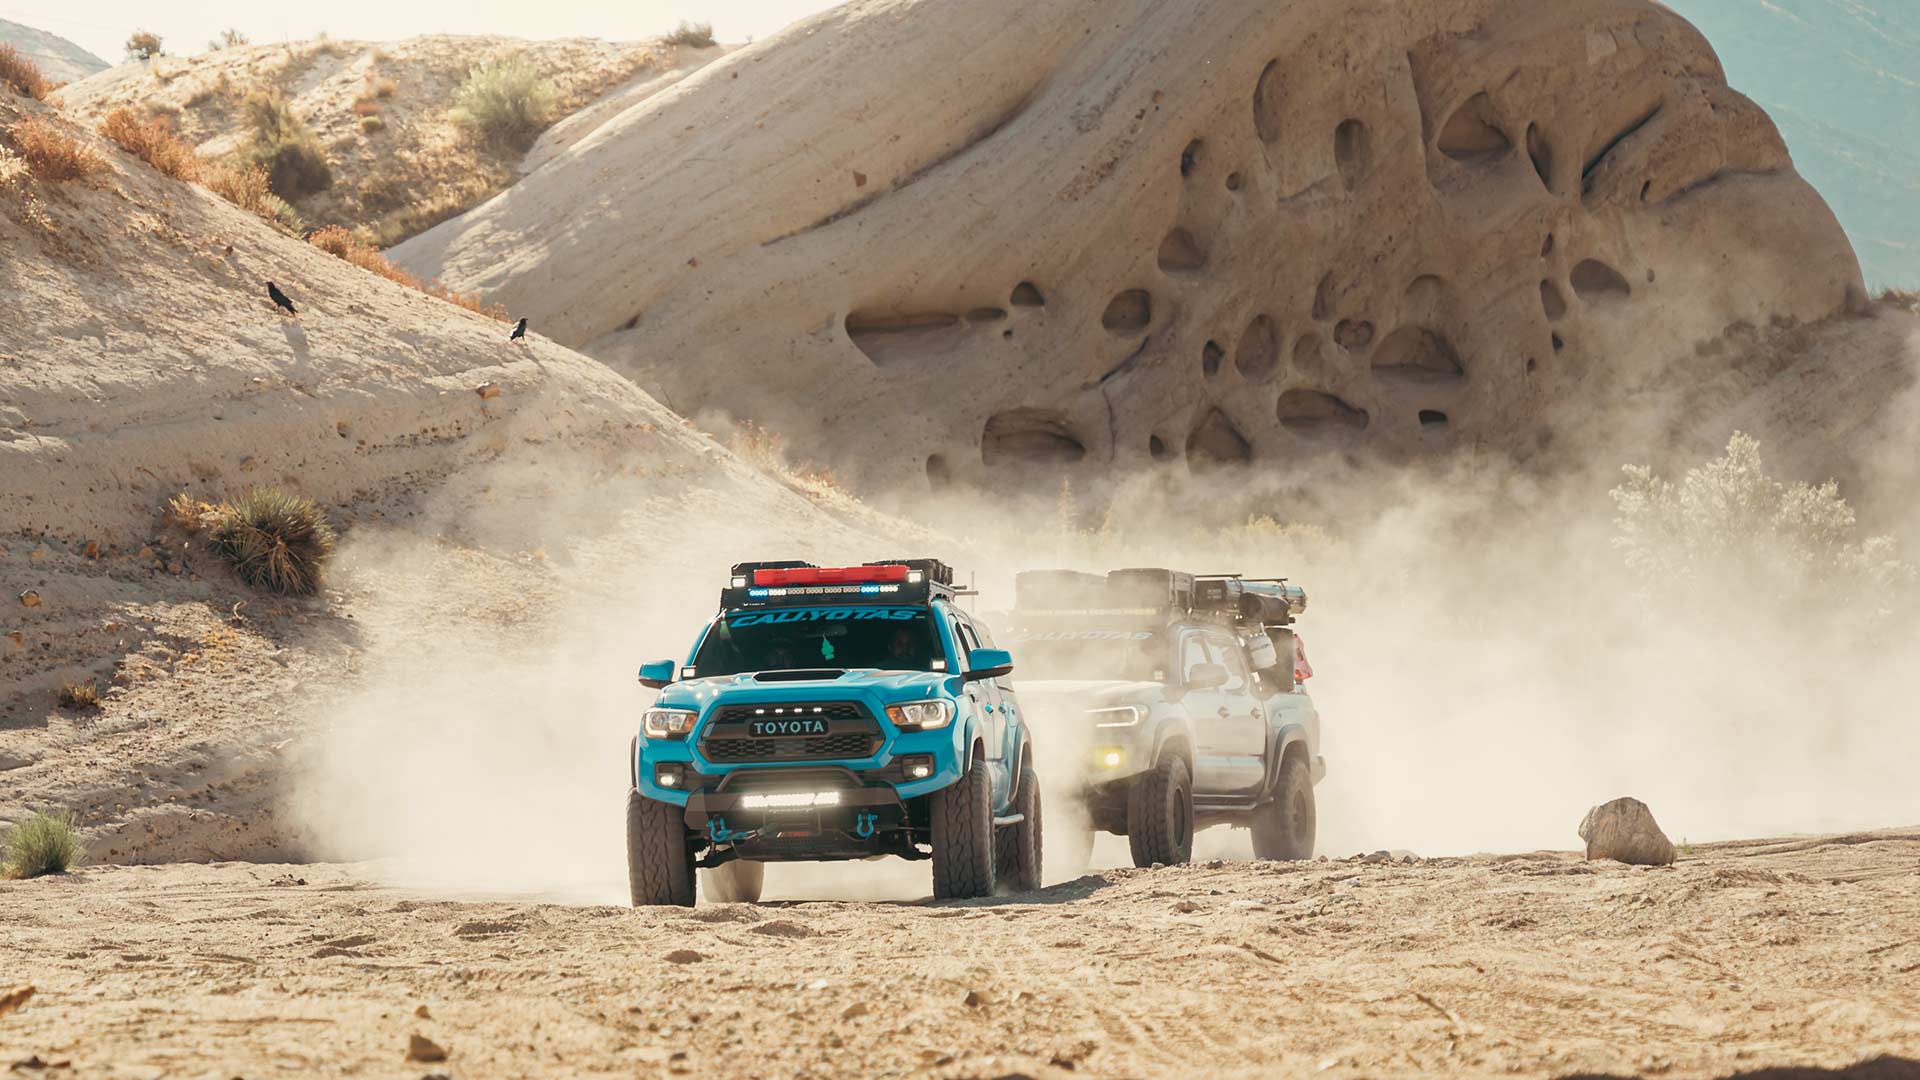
pixel 963 851
pixel 1283 828
pixel 1017 847
pixel 736 882
pixel 659 858
pixel 1160 814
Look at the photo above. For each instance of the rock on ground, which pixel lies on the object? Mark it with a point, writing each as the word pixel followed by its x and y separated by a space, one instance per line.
pixel 1624 829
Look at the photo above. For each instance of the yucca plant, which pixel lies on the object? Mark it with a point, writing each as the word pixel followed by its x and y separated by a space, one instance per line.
pixel 276 540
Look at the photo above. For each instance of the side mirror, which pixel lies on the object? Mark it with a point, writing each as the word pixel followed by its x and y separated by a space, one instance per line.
pixel 1206 677
pixel 988 664
pixel 657 674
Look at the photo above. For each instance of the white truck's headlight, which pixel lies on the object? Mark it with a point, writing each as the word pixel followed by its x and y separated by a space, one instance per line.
pixel 921 715
pixel 667 723
pixel 1117 716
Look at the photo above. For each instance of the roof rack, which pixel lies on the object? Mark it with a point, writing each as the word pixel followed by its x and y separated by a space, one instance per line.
pixel 1159 593
pixel 794 583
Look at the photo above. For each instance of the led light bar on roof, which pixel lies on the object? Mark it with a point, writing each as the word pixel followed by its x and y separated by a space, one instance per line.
pixel 830 575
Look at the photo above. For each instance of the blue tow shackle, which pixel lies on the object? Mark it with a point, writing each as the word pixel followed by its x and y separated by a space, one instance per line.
pixel 866 824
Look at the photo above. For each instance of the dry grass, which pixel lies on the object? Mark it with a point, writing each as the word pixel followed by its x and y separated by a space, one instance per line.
pixel 152 140
pixel 246 187
pixel 80 696
pixel 505 102
pixel 285 147
pixel 337 241
pixel 51 152
pixel 692 34
pixel 20 74
pixel 41 844
pixel 366 106
pixel 1906 298
pixel 276 541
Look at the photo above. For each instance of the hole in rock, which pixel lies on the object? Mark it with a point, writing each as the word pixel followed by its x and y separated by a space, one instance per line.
pixel 1309 355
pixel 1558 343
pixel 1546 246
pixel 1597 283
pixel 1026 294
pixel 938 477
pixel 1416 354
pixel 1352 151
pixel 1266 103
pixel 1470 135
pixel 1551 301
pixel 1190 157
pixel 1532 365
pixel 1323 297
pixel 1309 411
pixel 1541 153
pixel 1030 437
pixel 1432 418
pixel 1426 289
pixel 1210 356
pixel 1131 310
pixel 1235 181
pixel 1598 156
pixel 1645 187
pixel 1180 253
pixel 1259 351
pixel 1215 441
pixel 1157 448
pixel 1352 334
pixel 986 314
pixel 889 339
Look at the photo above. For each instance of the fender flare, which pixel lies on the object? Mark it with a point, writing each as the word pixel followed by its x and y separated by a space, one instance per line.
pixel 1285 738
pixel 1172 729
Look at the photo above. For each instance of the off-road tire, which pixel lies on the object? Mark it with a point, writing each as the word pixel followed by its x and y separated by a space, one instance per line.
pixel 736 882
pixel 1017 847
pixel 1283 826
pixel 1160 814
pixel 659 859
pixel 963 850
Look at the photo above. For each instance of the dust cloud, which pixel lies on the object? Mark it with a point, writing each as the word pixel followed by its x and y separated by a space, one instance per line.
pixel 1488 665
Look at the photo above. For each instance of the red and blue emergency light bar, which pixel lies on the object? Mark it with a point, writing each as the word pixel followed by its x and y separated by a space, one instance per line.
pixel 899 581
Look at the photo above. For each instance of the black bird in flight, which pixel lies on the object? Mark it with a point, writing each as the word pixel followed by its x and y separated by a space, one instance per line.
pixel 280 299
pixel 519 330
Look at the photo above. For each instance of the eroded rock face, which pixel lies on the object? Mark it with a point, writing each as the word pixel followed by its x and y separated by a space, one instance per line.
pixel 1113 234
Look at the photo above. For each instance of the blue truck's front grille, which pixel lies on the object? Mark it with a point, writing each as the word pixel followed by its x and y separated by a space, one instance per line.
pixel 790 731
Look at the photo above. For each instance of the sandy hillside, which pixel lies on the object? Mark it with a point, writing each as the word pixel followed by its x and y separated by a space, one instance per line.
pixel 418 167
pixel 141 358
pixel 1795 956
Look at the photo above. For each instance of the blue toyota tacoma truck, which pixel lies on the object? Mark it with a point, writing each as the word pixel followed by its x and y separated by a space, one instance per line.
pixel 832 713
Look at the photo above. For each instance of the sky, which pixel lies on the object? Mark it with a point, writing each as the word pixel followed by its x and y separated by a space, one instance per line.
pixel 102 26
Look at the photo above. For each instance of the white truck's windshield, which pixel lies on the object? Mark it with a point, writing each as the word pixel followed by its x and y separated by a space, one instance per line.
pixel 1098 653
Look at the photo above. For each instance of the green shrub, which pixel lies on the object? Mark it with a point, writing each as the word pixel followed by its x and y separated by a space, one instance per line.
pixel 285 147
pixel 692 34
pixel 505 101
pixel 42 844
pixel 276 541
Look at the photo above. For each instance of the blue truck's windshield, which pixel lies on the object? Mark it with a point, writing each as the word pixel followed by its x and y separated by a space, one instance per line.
pixel 788 639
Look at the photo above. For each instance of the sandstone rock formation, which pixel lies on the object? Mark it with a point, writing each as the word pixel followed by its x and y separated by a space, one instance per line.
pixel 1624 830
pixel 1109 234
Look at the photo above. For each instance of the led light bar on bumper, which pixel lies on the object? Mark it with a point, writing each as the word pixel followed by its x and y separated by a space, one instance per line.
pixel 921 715
pixel 667 723
pixel 802 800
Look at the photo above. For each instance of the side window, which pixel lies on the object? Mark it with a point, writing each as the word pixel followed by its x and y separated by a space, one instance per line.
pixel 1193 653
pixel 963 641
pixel 1227 653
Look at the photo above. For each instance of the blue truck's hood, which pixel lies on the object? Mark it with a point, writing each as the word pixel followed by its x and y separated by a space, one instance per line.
pixel 885 687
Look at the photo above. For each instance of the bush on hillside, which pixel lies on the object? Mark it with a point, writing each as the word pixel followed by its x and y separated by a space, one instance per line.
pixel 245 186
pixel 285 147
pixel 84 695
pixel 275 540
pixel 42 844
pixel 692 34
pixel 143 45
pixel 51 152
pixel 228 39
pixel 20 74
pixel 151 140
pixel 336 241
pixel 505 102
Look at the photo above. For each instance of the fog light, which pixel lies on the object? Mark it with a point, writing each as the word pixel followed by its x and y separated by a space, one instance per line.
pixel 917 766
pixel 1112 757
pixel 670 774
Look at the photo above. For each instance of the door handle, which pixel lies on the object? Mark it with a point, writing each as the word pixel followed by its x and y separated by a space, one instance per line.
pixel 1257 714
pixel 1225 712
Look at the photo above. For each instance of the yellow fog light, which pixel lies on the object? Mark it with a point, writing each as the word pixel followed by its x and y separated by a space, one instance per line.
pixel 1111 757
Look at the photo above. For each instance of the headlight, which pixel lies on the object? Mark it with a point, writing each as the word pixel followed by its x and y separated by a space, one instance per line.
pixel 1118 716
pixel 921 715
pixel 667 723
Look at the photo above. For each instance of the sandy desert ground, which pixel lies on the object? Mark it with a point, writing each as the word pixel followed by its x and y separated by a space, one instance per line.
pixel 1743 958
